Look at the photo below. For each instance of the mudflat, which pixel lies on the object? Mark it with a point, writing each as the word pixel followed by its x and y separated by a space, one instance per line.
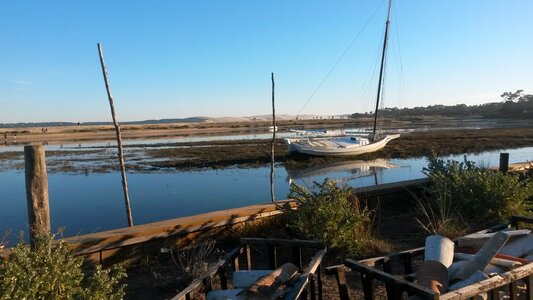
pixel 152 156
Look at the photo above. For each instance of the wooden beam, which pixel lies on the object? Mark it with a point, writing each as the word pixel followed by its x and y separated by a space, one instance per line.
pixel 36 191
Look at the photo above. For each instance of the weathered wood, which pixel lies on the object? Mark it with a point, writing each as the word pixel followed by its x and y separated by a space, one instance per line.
pixel 515 220
pixel 270 283
pixel 272 259
pixel 518 247
pixel 474 278
pixel 513 290
pixel 505 263
pixel 297 256
pixel 272 145
pixel 299 288
pixel 223 278
pixel 477 240
pixel 116 238
pixel 489 284
pixel 282 242
pixel 340 276
pixel 402 284
pixel 368 286
pixel 36 191
pixel 312 286
pixel 529 287
pixel 319 282
pixel 119 139
pixel 390 188
pixel 248 257
pixel 197 284
pixel 483 257
pixel 504 162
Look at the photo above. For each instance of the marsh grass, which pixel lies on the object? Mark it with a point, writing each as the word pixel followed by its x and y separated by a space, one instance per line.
pixel 197 258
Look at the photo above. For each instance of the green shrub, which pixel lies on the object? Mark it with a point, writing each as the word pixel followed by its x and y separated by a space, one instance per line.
pixel 479 195
pixel 50 271
pixel 333 215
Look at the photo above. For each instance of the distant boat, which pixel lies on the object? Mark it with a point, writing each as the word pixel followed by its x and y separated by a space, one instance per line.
pixel 347 145
pixel 272 128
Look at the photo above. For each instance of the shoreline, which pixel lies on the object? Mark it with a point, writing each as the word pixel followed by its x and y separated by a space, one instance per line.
pixel 252 153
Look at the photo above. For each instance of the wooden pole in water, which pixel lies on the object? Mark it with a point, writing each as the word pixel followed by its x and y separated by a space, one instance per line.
pixel 504 162
pixel 272 193
pixel 36 191
pixel 119 139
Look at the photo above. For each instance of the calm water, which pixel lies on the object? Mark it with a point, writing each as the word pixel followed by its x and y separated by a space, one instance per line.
pixel 84 203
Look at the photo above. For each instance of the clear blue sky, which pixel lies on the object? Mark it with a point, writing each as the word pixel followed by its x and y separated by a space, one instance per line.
pixel 179 58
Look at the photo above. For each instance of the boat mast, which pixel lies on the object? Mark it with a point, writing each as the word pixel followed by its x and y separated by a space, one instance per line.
pixel 381 70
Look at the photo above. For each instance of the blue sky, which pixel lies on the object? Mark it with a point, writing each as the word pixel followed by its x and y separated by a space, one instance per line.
pixel 177 58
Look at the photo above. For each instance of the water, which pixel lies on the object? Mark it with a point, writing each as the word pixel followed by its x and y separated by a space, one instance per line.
pixel 90 202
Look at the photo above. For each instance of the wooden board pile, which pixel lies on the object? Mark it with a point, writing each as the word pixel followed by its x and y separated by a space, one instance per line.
pixel 259 284
pixel 477 257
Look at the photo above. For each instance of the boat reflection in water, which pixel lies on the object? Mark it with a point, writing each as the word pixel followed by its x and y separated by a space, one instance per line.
pixel 342 172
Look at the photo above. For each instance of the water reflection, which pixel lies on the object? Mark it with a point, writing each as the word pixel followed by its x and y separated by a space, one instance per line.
pixel 91 200
pixel 343 172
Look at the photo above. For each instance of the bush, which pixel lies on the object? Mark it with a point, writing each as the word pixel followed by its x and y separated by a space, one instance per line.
pixel 50 271
pixel 479 195
pixel 333 215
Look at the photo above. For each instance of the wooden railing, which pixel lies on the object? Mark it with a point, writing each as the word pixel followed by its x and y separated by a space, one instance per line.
pixel 398 281
pixel 307 285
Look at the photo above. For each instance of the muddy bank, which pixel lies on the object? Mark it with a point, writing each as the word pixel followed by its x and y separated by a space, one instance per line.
pixel 416 144
pixel 255 153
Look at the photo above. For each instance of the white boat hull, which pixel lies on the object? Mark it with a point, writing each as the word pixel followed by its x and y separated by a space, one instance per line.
pixel 341 146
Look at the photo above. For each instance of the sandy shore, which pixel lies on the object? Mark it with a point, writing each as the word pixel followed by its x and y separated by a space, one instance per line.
pixel 65 134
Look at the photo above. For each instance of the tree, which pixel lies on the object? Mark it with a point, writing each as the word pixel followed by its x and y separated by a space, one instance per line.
pixel 510 96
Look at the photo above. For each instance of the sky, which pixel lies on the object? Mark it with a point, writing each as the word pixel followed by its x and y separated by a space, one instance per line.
pixel 183 58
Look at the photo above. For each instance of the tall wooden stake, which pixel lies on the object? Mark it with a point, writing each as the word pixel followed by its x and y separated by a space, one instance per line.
pixel 36 191
pixel 119 139
pixel 272 194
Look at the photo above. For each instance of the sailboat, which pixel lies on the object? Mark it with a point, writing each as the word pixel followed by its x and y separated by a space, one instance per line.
pixel 348 145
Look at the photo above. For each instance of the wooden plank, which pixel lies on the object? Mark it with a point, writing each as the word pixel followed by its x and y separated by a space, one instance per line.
pixel 529 287
pixel 340 276
pixel 223 278
pixel 490 284
pixel 297 256
pixel 368 286
pixel 282 242
pixel 206 279
pixel 248 257
pixel 272 259
pixel 403 285
pixel 300 285
pixel 116 238
pixel 319 283
pixel 388 188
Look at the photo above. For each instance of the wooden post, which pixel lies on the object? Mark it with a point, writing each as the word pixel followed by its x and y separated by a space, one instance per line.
pixel 36 191
pixel 504 162
pixel 119 139
pixel 272 193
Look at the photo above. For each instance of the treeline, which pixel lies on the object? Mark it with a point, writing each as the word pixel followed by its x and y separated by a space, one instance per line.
pixel 514 105
pixel 52 124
